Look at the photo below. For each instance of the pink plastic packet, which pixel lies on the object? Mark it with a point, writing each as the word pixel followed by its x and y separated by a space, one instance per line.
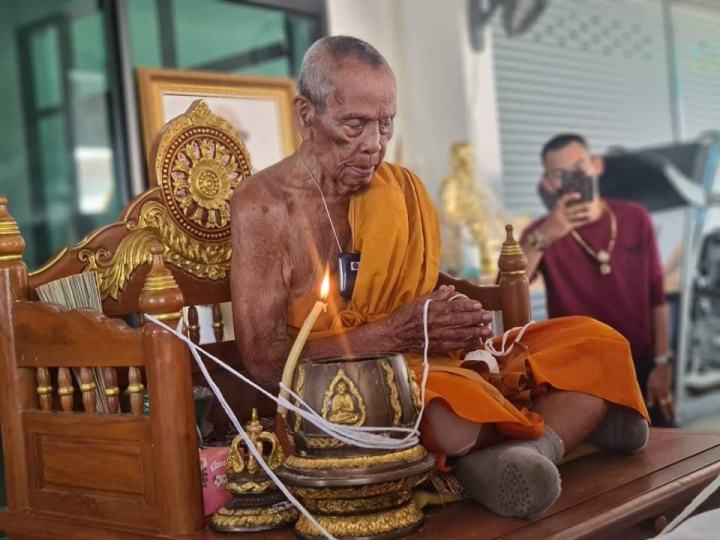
pixel 213 478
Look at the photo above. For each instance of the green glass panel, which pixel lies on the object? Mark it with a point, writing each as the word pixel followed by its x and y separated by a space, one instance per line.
pixel 280 67
pixel 44 56
pixel 303 31
pixel 88 72
pixel 57 190
pixel 144 33
pixel 206 32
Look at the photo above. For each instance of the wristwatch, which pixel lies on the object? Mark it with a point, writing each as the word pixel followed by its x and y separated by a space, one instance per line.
pixel 662 359
pixel 537 241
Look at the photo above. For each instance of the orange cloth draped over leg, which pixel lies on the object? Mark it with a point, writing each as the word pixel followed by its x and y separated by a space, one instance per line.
pixel 395 228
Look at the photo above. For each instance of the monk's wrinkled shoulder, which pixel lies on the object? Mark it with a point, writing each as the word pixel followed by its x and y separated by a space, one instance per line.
pixel 259 201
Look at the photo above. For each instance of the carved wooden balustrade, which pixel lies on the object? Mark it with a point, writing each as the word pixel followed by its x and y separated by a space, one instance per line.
pixel 134 469
pixel 124 468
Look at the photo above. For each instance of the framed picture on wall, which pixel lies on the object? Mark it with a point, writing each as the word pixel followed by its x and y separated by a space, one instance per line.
pixel 259 108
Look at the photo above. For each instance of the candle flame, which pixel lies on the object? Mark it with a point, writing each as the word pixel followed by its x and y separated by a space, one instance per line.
pixel 325 287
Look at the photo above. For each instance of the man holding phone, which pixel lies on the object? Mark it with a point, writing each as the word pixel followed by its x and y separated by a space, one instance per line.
pixel 599 258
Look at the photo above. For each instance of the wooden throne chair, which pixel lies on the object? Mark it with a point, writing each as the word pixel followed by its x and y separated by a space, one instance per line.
pixel 133 472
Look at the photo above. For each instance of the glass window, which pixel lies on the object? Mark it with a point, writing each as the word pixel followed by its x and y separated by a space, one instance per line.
pixel 64 155
pixel 46 73
pixel 219 35
pixel 63 144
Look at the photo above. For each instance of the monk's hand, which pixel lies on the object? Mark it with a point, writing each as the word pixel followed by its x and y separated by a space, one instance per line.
pixel 454 323
pixel 659 391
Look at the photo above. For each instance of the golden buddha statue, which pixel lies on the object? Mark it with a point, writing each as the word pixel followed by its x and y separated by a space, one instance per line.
pixel 471 215
pixel 342 407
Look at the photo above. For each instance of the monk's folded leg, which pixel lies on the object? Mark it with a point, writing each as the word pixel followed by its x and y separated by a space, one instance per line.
pixel 622 430
pixel 515 478
pixel 454 435
pixel 572 415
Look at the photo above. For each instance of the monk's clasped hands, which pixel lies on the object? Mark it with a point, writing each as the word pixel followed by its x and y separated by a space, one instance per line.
pixel 455 323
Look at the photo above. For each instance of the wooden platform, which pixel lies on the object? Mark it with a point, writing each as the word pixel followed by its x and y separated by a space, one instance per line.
pixel 604 495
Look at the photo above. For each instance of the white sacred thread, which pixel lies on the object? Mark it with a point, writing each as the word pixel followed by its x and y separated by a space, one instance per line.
pixel 236 423
pixel 360 436
pixel 489 347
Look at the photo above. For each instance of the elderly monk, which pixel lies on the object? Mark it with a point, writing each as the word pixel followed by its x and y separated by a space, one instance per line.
pixel 565 381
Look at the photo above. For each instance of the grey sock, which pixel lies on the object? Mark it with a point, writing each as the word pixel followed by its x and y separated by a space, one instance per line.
pixel 514 479
pixel 622 429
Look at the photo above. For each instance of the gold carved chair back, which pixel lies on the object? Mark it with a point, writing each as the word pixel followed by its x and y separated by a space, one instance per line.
pixel 197 162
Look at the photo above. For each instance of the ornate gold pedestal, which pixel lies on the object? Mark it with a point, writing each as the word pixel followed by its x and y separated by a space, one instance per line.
pixel 257 505
pixel 355 492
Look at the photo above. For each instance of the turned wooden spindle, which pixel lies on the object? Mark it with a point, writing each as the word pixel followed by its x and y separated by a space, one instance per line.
pixel 88 389
pixel 193 325
pixel 136 390
pixel 44 389
pixel 218 328
pixel 12 244
pixel 19 393
pixel 65 389
pixel 112 392
pixel 160 296
pixel 514 286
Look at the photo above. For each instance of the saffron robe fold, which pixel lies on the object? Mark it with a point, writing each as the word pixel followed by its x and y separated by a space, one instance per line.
pixel 396 230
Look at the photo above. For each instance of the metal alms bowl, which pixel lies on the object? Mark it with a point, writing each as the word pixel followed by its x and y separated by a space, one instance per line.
pixel 370 390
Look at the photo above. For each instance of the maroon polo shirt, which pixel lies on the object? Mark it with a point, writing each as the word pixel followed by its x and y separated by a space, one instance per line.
pixel 622 299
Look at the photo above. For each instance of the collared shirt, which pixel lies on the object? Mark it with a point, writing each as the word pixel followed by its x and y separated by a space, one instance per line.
pixel 624 298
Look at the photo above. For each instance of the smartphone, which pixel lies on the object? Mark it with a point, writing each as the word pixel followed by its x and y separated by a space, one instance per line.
pixel 571 182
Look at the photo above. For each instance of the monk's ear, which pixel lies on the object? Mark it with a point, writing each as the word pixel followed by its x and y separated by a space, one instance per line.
pixel 304 115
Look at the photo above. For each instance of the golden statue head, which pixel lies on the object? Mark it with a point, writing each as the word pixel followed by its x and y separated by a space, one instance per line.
pixel 462 155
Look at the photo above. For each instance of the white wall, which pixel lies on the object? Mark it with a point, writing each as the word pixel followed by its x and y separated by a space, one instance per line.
pixel 445 91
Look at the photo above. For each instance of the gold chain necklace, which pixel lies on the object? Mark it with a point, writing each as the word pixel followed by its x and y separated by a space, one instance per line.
pixel 602 256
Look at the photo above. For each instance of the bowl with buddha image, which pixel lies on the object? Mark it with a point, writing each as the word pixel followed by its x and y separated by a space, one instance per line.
pixel 356 492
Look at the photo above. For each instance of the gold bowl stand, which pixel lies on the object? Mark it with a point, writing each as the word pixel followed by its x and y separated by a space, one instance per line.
pixel 354 492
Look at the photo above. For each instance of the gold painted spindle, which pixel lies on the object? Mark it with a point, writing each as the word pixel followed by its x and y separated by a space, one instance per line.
pixel 44 389
pixel 112 392
pixel 193 325
pixel 135 389
pixel 87 387
pixel 217 324
pixel 65 389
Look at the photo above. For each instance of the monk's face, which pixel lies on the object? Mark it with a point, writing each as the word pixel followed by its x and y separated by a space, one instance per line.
pixel 350 136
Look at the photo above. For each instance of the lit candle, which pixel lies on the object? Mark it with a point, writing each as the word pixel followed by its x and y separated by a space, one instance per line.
pixel 297 348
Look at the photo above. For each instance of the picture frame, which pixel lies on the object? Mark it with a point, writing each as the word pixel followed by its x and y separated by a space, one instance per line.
pixel 260 108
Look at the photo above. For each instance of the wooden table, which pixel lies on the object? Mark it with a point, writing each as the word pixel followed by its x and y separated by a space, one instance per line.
pixel 604 495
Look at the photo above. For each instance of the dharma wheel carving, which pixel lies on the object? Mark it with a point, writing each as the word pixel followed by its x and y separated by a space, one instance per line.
pixel 200 161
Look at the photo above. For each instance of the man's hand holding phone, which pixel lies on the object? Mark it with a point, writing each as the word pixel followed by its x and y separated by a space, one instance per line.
pixel 568 210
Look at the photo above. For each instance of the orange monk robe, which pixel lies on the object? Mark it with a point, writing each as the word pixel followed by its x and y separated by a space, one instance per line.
pixel 395 228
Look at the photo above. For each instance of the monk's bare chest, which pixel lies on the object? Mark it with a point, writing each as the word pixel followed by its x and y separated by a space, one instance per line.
pixel 312 245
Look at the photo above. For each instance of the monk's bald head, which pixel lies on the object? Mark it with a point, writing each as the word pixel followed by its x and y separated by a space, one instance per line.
pixel 322 60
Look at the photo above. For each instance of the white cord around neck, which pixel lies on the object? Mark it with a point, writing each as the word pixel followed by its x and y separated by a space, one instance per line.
pixel 322 196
